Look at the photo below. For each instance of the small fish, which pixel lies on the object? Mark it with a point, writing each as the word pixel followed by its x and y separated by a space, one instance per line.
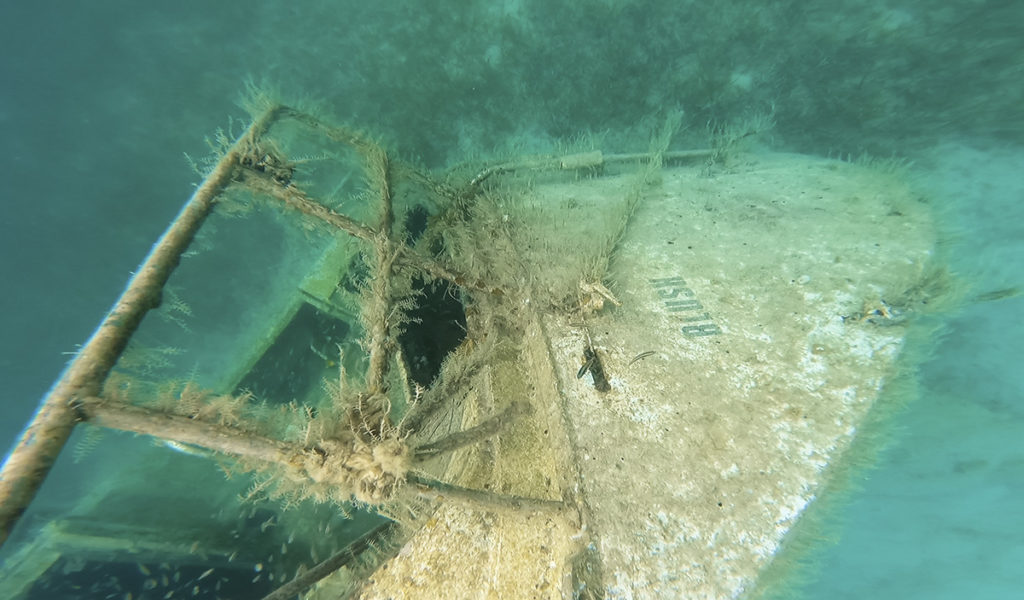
pixel 185 448
pixel 204 575
pixel 642 356
pixel 143 569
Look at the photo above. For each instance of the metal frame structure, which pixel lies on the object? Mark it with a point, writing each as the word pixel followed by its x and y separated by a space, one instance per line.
pixel 77 397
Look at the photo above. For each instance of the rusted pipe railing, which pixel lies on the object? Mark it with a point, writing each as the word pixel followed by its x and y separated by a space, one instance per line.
pixel 32 458
pixel 221 439
pixel 582 160
pixel 339 559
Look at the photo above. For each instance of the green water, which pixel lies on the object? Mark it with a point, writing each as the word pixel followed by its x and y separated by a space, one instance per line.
pixel 99 100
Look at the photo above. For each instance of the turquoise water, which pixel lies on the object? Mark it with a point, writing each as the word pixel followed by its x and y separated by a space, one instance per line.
pixel 99 100
pixel 938 517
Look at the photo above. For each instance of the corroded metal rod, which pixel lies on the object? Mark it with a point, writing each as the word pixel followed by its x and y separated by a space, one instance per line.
pixel 433 489
pixel 339 559
pixel 295 198
pixel 216 438
pixel 472 435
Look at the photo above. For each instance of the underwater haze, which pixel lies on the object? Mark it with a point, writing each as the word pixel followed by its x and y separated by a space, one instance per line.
pixel 100 100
